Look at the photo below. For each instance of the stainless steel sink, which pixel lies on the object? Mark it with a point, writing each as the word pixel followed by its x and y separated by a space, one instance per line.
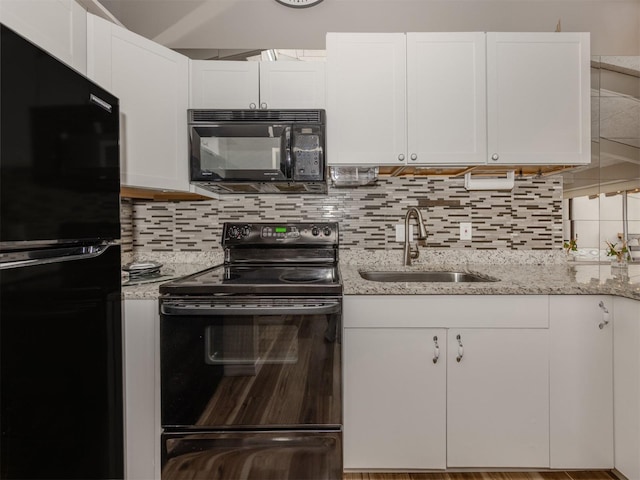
pixel 456 277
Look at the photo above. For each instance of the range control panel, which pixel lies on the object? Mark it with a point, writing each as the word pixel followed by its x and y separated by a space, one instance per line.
pixel 280 233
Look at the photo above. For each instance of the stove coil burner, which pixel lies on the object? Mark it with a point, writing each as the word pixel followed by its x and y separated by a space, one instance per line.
pixel 301 276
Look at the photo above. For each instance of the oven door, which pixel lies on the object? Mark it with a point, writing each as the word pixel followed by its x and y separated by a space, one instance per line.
pixel 250 363
pixel 240 152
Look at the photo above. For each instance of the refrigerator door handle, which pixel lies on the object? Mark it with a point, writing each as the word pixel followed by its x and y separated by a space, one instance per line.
pixel 54 255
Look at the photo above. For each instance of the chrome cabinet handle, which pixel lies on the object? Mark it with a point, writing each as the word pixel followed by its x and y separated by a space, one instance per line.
pixel 436 350
pixel 252 106
pixel 401 157
pixel 495 156
pixel 460 349
pixel 414 157
pixel 605 315
pixel 263 105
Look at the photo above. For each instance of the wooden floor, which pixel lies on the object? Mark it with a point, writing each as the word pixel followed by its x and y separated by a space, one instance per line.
pixel 570 475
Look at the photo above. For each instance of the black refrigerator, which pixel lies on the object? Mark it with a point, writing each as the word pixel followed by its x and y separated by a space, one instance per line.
pixel 61 388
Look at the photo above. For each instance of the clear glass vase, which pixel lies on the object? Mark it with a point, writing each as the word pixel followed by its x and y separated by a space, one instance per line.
pixel 619 263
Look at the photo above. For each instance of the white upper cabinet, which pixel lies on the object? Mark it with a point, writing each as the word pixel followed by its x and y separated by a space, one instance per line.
pixel 57 26
pixel 446 85
pixel 224 84
pixel 290 84
pixel 252 85
pixel 366 98
pixel 538 91
pixel 439 99
pixel 152 83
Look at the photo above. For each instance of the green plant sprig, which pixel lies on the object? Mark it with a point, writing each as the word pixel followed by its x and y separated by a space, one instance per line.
pixel 571 245
pixel 612 251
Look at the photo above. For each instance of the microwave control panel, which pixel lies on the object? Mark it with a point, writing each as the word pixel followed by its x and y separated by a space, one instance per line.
pixel 308 153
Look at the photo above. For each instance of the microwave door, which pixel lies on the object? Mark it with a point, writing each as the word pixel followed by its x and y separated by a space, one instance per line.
pixel 256 152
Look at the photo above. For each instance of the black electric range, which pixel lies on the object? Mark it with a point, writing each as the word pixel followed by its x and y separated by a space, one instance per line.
pixel 250 353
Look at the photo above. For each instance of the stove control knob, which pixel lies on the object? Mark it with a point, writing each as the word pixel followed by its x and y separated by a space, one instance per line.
pixel 246 230
pixel 233 232
pixel 315 231
pixel 327 231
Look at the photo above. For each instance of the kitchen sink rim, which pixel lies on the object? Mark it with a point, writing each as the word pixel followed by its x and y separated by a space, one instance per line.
pixel 426 276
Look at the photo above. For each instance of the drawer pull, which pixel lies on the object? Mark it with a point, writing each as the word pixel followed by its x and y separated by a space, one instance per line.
pixel 436 350
pixel 460 349
pixel 605 315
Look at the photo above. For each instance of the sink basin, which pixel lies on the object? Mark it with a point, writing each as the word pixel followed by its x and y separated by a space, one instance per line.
pixel 456 277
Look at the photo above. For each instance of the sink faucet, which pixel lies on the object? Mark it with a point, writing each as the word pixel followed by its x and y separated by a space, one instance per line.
pixel 409 252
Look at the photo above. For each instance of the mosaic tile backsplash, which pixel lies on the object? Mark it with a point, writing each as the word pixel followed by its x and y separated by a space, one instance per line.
pixel 529 217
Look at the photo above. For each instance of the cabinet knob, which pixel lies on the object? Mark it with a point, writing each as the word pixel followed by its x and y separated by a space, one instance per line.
pixel 414 157
pixel 460 349
pixel 263 105
pixel 495 156
pixel 252 106
pixel 401 157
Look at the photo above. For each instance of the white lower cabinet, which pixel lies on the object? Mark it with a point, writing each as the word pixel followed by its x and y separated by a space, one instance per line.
pixel 498 397
pixel 403 411
pixel 626 386
pixel 581 386
pixel 141 330
pixel 395 398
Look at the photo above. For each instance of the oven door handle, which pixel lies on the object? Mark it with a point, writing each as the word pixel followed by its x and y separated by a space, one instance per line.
pixel 202 309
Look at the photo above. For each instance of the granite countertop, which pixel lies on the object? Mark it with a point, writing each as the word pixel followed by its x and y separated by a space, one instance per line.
pixel 174 265
pixel 526 274
pixel 518 273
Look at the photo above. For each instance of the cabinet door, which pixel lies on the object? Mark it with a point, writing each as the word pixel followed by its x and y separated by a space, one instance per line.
pixel 626 381
pixel 394 398
pixel 224 84
pixel 366 99
pixel 142 389
pixel 498 398
pixel 151 82
pixel 57 26
pixel 538 98
pixel 446 90
pixel 292 84
pixel 581 386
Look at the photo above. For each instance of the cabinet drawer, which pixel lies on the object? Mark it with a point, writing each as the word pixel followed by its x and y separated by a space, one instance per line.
pixel 446 311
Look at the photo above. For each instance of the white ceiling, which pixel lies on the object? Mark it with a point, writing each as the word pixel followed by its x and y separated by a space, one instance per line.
pixel 263 24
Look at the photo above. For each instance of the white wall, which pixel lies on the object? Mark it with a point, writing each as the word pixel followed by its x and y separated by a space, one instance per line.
pixel 256 24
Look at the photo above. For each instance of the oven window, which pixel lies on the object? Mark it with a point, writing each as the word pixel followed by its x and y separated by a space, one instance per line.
pixel 250 342
pixel 250 370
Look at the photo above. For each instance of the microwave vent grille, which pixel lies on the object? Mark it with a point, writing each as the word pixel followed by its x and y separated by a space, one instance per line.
pixel 291 116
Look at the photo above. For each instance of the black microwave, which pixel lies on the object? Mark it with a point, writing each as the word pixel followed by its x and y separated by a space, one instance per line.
pixel 258 151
